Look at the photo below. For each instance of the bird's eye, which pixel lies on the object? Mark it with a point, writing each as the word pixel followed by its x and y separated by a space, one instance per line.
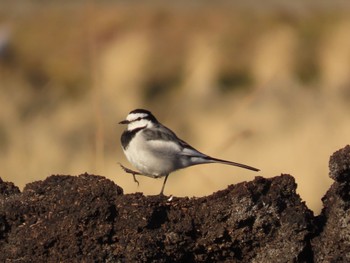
pixel 137 119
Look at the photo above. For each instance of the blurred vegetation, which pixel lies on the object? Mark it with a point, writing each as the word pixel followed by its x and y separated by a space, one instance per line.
pixel 70 71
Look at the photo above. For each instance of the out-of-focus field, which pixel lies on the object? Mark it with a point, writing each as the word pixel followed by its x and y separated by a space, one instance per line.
pixel 266 85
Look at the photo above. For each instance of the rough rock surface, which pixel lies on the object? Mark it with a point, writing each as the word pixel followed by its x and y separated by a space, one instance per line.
pixel 88 219
pixel 7 189
pixel 333 243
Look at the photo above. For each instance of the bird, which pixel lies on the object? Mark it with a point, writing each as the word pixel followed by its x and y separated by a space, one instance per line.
pixel 156 151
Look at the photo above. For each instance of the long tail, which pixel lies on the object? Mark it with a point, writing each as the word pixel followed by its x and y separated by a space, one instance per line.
pixel 232 163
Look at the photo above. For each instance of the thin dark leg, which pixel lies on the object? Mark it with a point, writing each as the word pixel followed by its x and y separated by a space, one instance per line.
pixel 166 178
pixel 127 170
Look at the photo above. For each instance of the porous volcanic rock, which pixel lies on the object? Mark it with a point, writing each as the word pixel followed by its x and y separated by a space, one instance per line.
pixel 8 188
pixel 333 242
pixel 87 218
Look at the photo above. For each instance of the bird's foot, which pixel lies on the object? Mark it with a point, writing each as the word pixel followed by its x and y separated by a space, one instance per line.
pixel 127 170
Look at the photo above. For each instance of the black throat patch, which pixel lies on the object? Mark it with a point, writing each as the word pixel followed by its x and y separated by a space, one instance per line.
pixel 128 135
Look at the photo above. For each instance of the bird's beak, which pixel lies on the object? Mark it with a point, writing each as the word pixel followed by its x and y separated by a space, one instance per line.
pixel 124 122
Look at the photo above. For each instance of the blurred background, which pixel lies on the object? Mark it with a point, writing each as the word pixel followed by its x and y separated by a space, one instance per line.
pixel 265 84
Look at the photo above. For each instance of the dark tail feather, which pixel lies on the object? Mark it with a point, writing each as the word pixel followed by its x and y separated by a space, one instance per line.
pixel 233 163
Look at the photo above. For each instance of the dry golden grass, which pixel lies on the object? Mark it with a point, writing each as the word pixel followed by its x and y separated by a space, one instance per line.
pixel 267 87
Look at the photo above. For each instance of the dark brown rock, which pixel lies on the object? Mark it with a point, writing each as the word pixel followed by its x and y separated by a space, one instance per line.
pixel 333 242
pixel 8 188
pixel 88 219
pixel 339 165
pixel 61 219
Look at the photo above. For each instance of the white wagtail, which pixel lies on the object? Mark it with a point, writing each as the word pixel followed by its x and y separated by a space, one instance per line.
pixel 156 151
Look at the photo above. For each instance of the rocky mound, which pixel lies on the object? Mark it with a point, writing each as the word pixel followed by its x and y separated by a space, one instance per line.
pixel 88 219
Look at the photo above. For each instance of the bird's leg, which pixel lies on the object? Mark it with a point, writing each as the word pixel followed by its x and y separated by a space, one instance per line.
pixel 166 178
pixel 127 170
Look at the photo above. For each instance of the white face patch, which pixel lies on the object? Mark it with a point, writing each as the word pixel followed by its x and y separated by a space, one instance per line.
pixel 135 116
pixel 138 124
pixel 136 121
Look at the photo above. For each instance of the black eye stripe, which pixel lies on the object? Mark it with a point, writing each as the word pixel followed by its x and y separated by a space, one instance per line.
pixel 147 115
pixel 138 119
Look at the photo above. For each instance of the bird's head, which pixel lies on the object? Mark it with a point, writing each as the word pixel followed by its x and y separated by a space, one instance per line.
pixel 139 118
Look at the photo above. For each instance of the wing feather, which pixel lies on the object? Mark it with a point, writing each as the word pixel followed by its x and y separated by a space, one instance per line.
pixel 161 135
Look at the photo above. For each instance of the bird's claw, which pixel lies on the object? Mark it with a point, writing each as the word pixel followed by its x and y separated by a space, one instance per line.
pixel 127 170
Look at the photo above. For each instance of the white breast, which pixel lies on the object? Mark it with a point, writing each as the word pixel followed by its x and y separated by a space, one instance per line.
pixel 153 157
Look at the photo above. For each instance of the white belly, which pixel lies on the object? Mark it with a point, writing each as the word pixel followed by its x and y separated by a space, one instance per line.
pixel 153 158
